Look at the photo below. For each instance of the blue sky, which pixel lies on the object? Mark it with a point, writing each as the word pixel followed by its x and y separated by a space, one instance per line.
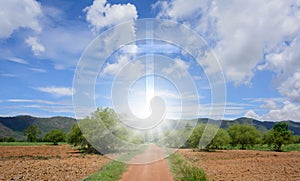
pixel 257 47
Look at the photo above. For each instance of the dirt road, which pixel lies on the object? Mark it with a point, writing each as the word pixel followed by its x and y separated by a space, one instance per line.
pixel 157 171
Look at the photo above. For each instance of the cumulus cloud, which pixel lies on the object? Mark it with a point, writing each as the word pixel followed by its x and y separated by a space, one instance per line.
pixel 252 114
pixel 102 14
pixel 276 109
pixel 240 38
pixel 35 45
pixel 291 87
pixel 289 111
pixel 56 91
pixel 17 14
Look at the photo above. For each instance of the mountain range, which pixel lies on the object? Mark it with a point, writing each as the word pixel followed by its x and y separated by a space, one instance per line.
pixel 15 126
pixel 262 126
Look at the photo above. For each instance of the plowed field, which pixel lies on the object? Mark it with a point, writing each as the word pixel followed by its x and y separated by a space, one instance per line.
pixel 47 163
pixel 247 164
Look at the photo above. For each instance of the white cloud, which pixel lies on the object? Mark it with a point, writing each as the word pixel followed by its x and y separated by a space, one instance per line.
pixel 276 110
pixel 240 38
pixel 114 68
pixel 33 106
pixel 252 114
pixel 39 70
pixel 35 45
pixel 178 9
pixel 246 33
pixel 17 14
pixel 32 101
pixel 178 69
pixel 291 87
pixel 56 91
pixel 124 68
pixel 102 14
pixel 8 75
pixel 17 60
pixel 64 44
pixel 289 111
pixel 269 104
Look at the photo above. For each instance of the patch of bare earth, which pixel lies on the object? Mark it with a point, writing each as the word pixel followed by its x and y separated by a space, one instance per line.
pixel 47 163
pixel 247 164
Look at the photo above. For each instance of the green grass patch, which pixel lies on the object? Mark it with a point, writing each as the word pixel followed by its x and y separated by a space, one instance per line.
pixel 27 143
pixel 109 172
pixel 291 147
pixel 185 171
pixel 266 147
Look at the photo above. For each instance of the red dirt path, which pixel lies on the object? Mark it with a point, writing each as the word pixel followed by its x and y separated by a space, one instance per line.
pixel 157 171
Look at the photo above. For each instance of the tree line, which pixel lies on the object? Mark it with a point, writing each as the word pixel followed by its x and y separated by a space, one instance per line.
pixel 244 136
pixel 236 136
pixel 32 134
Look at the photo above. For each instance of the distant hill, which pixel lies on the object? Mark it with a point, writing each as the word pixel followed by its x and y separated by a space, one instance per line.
pixel 14 126
pixel 260 125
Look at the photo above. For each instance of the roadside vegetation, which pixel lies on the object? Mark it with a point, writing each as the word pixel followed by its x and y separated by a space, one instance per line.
pixel 183 170
pixel 109 172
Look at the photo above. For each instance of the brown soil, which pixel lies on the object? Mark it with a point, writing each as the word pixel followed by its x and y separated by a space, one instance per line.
pixel 157 171
pixel 47 163
pixel 247 165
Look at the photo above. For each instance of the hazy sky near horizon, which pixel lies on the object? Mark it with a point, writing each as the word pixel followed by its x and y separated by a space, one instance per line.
pixel 256 42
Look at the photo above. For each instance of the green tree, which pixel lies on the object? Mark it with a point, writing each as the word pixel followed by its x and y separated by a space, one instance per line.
pixel 278 135
pixel 105 131
pixel 76 138
pixel 176 138
pixel 32 132
pixel 221 139
pixel 215 137
pixel 243 135
pixel 196 135
pixel 55 136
